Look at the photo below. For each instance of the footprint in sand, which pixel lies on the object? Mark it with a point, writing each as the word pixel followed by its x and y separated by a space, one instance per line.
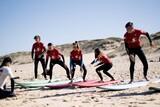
pixel 85 102
pixel 152 99
pixel 142 103
pixel 64 100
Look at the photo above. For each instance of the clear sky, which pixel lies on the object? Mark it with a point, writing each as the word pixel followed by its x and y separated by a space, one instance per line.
pixel 64 21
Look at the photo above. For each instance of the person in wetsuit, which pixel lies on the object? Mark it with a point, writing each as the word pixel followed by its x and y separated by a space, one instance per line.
pixel 38 50
pixel 104 64
pixel 76 58
pixel 56 58
pixel 133 48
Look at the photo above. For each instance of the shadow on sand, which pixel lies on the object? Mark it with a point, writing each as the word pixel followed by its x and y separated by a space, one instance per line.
pixel 135 94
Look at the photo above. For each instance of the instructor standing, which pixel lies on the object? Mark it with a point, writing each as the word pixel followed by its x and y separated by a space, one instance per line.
pixel 133 47
pixel 38 50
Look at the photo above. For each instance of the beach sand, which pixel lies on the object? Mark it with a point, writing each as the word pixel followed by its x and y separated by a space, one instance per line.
pixel 88 97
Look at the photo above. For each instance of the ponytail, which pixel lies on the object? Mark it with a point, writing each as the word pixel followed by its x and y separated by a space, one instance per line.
pixel 97 52
pixel 5 61
pixel 76 42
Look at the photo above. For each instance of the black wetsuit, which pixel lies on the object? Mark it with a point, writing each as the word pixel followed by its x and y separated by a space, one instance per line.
pixel 73 64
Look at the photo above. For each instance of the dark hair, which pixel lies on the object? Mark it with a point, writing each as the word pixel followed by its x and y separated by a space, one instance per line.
pixel 37 36
pixel 5 61
pixel 50 44
pixel 76 43
pixel 97 52
pixel 128 24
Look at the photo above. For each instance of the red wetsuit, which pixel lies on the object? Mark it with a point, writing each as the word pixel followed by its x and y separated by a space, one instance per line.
pixel 76 55
pixel 133 39
pixel 53 54
pixel 104 59
pixel 38 48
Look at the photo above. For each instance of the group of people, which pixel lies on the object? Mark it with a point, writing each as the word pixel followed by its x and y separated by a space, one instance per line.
pixel 132 44
pixel 76 58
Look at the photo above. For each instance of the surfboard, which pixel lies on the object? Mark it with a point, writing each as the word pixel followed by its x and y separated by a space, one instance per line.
pixel 157 87
pixel 69 84
pixel 124 86
pixel 34 83
pixel 93 83
pixel 28 82
pixel 43 83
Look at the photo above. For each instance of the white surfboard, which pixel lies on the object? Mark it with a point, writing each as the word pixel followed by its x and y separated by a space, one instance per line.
pixel 43 83
pixel 124 86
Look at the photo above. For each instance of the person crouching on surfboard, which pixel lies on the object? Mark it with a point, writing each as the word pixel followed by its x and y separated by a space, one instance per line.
pixel 133 47
pixel 105 64
pixel 5 72
pixel 38 50
pixel 76 58
pixel 55 57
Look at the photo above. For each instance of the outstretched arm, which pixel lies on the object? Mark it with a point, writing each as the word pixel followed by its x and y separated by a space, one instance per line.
pixel 100 63
pixel 149 38
pixel 94 61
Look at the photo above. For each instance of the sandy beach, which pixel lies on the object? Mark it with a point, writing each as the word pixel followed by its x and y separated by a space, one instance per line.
pixel 91 97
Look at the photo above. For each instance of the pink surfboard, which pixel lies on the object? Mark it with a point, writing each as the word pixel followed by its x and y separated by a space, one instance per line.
pixel 95 84
pixel 66 85
pixel 59 86
pixel 84 83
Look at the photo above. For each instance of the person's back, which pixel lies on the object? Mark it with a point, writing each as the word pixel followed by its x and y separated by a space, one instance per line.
pixel 5 72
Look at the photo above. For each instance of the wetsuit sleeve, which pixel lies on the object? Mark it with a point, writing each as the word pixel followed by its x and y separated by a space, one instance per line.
pixel 70 62
pixel 81 59
pixel 149 38
pixel 126 44
pixel 12 85
pixel 47 58
pixel 63 58
pixel 100 63
pixel 94 61
pixel 32 52
pixel 146 34
pixel 126 47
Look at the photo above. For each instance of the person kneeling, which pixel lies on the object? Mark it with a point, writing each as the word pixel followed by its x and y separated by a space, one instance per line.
pixel 5 72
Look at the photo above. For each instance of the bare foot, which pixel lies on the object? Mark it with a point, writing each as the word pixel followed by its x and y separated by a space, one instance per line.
pixel 130 82
pixel 112 79
pixel 101 81
pixel 146 79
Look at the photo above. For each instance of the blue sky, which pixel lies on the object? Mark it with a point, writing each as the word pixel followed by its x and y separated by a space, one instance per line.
pixel 64 21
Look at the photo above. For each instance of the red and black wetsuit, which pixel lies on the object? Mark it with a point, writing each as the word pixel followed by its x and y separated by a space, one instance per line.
pixel 105 65
pixel 55 56
pixel 38 50
pixel 133 47
pixel 76 58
